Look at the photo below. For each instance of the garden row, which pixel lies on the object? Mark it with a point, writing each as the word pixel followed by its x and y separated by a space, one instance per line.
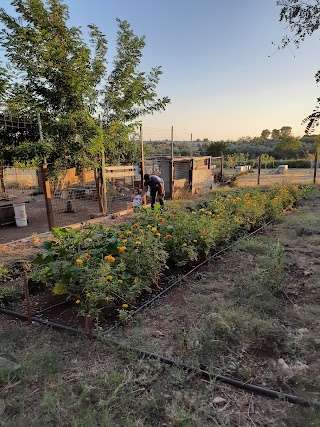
pixel 105 269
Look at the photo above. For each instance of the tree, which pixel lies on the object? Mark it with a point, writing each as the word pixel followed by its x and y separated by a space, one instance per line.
pixel 288 147
pixel 285 131
pixel 128 93
pixel 303 20
pixel 275 134
pixel 216 148
pixel 266 159
pixel 265 134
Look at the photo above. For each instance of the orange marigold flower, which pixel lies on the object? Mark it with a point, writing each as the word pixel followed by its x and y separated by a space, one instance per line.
pixel 79 261
pixel 120 281
pixel 158 234
pixel 136 280
pixel 141 231
pixel 168 236
pixel 184 244
pixel 136 225
pixel 88 256
pixel 153 229
pixel 109 258
pixel 122 249
pixel 121 236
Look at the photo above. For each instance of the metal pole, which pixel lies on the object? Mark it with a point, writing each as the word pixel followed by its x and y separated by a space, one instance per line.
pixel 172 166
pixel 45 180
pixel 144 198
pixel 315 166
pixel 259 169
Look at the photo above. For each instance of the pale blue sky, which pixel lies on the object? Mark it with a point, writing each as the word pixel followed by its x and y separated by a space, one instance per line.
pixel 216 65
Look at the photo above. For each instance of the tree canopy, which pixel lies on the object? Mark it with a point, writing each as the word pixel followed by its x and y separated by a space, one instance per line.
pixel 303 19
pixel 55 72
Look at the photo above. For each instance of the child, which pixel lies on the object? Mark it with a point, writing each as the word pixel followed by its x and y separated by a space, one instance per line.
pixel 136 199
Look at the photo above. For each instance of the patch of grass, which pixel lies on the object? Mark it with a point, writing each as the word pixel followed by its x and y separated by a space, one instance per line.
pixel 233 327
pixel 10 294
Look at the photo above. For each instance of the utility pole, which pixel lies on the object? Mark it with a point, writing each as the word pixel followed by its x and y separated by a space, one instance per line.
pixel 315 166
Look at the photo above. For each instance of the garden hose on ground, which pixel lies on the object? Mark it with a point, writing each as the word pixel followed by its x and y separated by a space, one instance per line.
pixel 189 369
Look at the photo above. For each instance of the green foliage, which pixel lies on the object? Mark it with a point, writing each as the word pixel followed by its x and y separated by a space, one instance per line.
pixel 288 147
pixel 215 149
pixel 104 269
pixel 57 73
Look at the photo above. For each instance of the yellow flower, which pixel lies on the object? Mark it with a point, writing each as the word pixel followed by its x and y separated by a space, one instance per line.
pixel 209 213
pixel 194 212
pixel 120 281
pixel 184 244
pixel 88 295
pixel 78 301
pixel 153 229
pixel 122 249
pixel 141 231
pixel 201 237
pixel 109 277
pixel 149 226
pixel 138 243
pixel 195 241
pixel 109 258
pixel 129 232
pixel 136 280
pixel 158 234
pixel 79 261
pixel 125 306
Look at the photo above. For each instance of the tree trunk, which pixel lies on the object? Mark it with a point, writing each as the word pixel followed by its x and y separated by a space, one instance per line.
pixel 2 184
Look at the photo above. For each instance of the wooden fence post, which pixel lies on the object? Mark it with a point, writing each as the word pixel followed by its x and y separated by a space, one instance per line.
pixel 26 293
pixel 259 169
pixel 47 194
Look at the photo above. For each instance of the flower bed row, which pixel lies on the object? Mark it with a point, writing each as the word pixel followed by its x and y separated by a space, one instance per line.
pixel 104 269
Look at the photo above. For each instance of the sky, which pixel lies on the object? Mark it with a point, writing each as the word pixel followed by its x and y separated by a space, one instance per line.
pixel 221 71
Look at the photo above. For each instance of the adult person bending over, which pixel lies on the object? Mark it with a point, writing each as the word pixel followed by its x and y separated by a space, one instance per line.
pixel 156 185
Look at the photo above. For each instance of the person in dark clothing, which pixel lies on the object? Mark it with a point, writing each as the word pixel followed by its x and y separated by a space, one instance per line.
pixel 156 185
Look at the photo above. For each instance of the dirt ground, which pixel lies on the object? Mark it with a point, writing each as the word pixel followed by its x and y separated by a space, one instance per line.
pixel 253 314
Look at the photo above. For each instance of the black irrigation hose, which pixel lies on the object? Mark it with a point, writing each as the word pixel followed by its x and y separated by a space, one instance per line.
pixel 189 369
pixel 159 295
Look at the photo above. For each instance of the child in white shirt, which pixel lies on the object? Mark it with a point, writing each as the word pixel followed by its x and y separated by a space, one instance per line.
pixel 136 199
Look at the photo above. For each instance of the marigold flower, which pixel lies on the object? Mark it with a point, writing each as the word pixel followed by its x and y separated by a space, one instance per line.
pixel 121 236
pixel 138 243
pixel 201 237
pixel 88 256
pixel 88 295
pixel 209 213
pixel 153 229
pixel 158 234
pixel 168 236
pixel 120 281
pixel 109 277
pixel 136 280
pixel 125 306
pixel 129 232
pixel 141 231
pixel 149 226
pixel 109 258
pixel 78 301
pixel 195 241
pixel 194 212
pixel 122 249
pixel 79 261
pixel 184 244
pixel 136 225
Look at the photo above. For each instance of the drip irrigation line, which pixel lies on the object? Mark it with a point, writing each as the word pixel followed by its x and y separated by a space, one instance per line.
pixel 181 278
pixel 189 369
pixel 39 312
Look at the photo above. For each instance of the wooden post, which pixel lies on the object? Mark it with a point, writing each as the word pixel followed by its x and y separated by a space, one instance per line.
pixel 26 293
pixel 315 166
pixel 104 183
pixel 47 194
pixel 144 199
pixel 97 180
pixel 259 169
pixel 172 167
pixel 89 326
pixel 221 165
